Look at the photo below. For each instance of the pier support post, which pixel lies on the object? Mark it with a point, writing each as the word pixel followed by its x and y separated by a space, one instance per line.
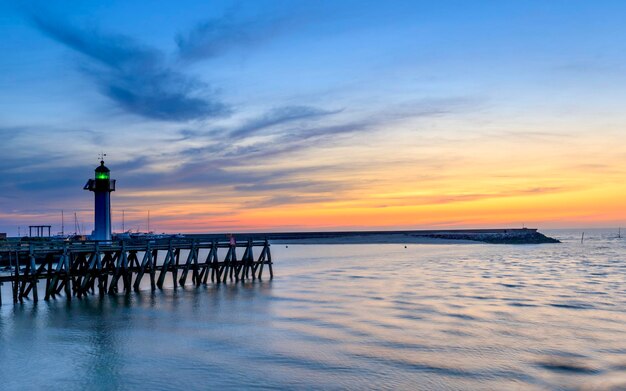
pixel 191 259
pixel 166 264
pixel 16 283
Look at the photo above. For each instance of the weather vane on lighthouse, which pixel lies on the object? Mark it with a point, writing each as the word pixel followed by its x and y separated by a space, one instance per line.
pixel 102 186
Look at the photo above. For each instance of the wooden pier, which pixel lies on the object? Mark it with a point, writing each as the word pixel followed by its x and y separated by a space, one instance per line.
pixel 82 268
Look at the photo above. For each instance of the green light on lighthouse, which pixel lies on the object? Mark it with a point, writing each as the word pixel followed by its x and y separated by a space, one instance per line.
pixel 102 175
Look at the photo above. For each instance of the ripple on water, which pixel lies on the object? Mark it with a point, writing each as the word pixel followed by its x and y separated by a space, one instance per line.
pixel 573 306
pixel 520 304
pixel 566 364
pixel 448 371
pixel 512 285
pixel 457 332
pixel 410 317
pixel 462 316
pixel 613 383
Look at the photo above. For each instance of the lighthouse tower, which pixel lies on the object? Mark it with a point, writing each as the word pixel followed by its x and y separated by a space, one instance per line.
pixel 102 186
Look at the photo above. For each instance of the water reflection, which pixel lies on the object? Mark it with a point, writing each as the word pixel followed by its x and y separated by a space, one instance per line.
pixel 355 317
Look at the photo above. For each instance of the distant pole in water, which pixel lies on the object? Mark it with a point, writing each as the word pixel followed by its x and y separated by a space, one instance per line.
pixel 619 233
pixel 62 223
pixel 148 220
pixel 582 238
pixel 123 229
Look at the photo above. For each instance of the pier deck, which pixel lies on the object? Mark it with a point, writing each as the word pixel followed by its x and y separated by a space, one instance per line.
pixel 81 268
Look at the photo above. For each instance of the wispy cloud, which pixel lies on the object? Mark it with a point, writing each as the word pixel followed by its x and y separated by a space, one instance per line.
pixel 213 37
pixel 228 156
pixel 469 197
pixel 281 200
pixel 279 116
pixel 136 77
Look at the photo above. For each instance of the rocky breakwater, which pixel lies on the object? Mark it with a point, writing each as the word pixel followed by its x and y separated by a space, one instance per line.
pixel 498 236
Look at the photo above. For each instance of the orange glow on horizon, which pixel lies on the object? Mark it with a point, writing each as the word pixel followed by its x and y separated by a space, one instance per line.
pixel 430 183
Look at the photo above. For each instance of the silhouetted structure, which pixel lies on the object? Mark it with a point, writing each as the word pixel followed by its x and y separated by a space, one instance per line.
pixel 102 186
pixel 39 230
pixel 80 268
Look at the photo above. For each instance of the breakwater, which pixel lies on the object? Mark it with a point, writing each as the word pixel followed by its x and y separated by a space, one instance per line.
pixel 500 236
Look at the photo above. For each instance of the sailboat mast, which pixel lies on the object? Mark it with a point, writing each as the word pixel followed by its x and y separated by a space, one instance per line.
pixel 77 229
pixel 62 223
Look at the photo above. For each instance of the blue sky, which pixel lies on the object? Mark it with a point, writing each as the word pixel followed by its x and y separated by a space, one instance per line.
pixel 280 104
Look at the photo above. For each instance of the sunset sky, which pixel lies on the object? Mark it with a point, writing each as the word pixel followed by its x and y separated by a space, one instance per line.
pixel 315 115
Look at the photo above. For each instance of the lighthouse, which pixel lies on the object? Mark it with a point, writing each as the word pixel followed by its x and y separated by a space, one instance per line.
pixel 102 186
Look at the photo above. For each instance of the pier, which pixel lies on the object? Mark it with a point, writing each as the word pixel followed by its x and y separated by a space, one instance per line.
pixel 76 269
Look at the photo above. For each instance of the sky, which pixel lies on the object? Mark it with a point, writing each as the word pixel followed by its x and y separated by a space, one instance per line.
pixel 226 116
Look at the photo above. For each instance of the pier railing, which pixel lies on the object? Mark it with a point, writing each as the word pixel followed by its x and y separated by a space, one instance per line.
pixel 82 268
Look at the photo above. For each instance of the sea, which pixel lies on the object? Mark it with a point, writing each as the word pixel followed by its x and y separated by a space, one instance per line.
pixel 347 317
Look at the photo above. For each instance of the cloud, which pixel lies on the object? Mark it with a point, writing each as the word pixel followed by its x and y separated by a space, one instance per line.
pixel 310 185
pixel 281 200
pixel 213 37
pixel 454 198
pixel 246 170
pixel 135 77
pixel 228 164
pixel 279 116
pixel 224 152
pixel 227 156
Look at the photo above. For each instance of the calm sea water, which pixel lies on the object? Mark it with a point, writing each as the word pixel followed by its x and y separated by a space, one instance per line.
pixel 459 316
